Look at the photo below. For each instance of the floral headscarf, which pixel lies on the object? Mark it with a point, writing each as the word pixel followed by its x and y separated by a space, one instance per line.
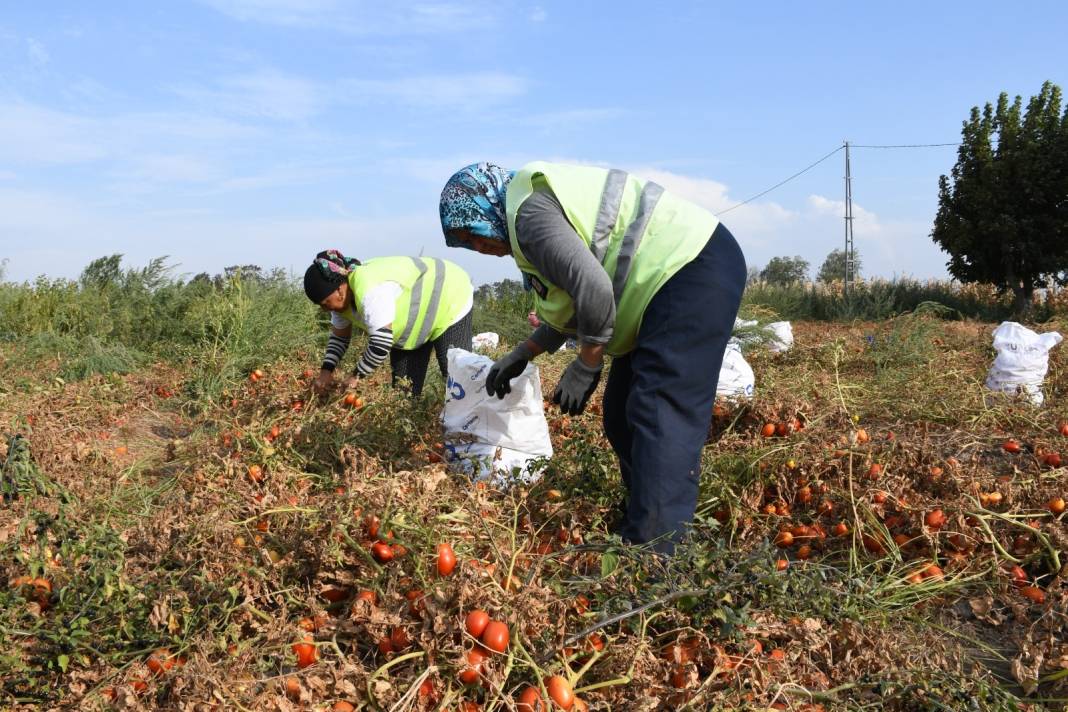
pixel 332 262
pixel 473 199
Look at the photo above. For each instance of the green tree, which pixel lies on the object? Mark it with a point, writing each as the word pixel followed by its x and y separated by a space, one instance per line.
pixel 785 270
pixel 1003 216
pixel 833 267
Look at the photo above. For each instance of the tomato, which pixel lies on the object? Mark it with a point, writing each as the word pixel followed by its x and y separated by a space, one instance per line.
pixel 335 593
pixel 804 494
pixel 385 647
pixel 1033 594
pixel 581 706
pixel 476 622
pixel 875 471
pixel 371 524
pixel 840 529
pixel 879 497
pixel 255 473
pixel 782 430
pixel 784 539
pixel 368 596
pixel 862 436
pixel 446 559
pixel 472 669
pixel 342 706
pixel 426 689
pixel 804 551
pixel 275 431
pixel 933 571
pixel 530 700
pixel 495 636
pixel 306 653
pixel 160 661
pixel 382 552
pixel 398 638
pixel 935 519
pixel 1053 459
pixel 1064 429
pixel 1056 505
pixel 768 430
pixel 1011 445
pixel 782 564
pixel 292 686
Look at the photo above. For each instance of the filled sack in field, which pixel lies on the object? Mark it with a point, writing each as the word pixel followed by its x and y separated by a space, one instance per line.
pixel 736 379
pixel 485 341
pixel 1022 360
pixel 488 437
pixel 782 336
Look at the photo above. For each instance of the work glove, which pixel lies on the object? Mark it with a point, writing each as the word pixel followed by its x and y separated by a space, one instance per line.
pixel 576 386
pixel 498 382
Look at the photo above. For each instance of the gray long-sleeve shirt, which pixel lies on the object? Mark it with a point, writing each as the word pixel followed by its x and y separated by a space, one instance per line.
pixel 551 244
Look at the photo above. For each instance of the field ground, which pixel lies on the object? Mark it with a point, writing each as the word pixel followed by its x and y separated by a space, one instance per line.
pixel 889 548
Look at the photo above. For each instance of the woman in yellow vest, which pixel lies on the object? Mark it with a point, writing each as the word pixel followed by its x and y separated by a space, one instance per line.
pixel 407 306
pixel 634 272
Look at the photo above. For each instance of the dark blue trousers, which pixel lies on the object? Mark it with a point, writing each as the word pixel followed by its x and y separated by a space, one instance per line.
pixel 658 399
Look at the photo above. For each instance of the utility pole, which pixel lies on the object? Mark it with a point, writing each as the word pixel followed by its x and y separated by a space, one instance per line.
pixel 849 271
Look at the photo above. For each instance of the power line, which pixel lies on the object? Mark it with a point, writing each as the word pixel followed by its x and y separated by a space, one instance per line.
pixel 902 145
pixel 783 182
pixel 813 165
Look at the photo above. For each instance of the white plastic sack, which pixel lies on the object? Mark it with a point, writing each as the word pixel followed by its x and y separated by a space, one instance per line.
pixel 488 437
pixel 1022 360
pixel 485 340
pixel 783 336
pixel 736 379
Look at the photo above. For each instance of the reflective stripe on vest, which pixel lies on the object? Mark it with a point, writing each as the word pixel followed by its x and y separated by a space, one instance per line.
pixel 632 238
pixel 417 299
pixel 608 213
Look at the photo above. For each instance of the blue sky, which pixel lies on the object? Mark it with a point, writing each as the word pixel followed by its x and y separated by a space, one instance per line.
pixel 227 132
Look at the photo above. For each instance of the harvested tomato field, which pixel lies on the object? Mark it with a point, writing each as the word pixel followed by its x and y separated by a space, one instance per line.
pixel 873 533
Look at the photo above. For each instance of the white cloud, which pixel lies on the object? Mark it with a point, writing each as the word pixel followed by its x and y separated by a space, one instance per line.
pixel 442 91
pixel 552 121
pixel 755 223
pixel 46 136
pixel 267 94
pixel 538 14
pixel 362 17
pixel 37 52
pixel 57 235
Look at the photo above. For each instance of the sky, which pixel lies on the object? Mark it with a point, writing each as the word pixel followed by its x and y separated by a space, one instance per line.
pixel 222 132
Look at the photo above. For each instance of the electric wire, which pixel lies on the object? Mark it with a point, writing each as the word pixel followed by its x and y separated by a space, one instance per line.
pixel 813 165
pixel 902 145
pixel 782 182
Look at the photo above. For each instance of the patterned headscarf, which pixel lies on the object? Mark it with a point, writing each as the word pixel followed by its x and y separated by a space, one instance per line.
pixel 328 270
pixel 333 262
pixel 473 199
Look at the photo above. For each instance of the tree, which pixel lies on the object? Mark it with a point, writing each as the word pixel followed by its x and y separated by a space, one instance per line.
pixel 785 270
pixel 1003 217
pixel 833 268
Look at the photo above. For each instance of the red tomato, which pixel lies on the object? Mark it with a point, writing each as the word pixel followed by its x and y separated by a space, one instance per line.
pixel 530 700
pixel 495 636
pixel 476 622
pixel 382 552
pixel 306 653
pixel 446 559
pixel 472 668
pixel 560 691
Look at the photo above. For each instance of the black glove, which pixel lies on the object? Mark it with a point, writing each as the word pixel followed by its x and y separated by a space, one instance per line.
pixel 576 386
pixel 498 382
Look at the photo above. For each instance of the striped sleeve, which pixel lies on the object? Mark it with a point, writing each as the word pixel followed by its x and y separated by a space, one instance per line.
pixel 378 345
pixel 335 349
